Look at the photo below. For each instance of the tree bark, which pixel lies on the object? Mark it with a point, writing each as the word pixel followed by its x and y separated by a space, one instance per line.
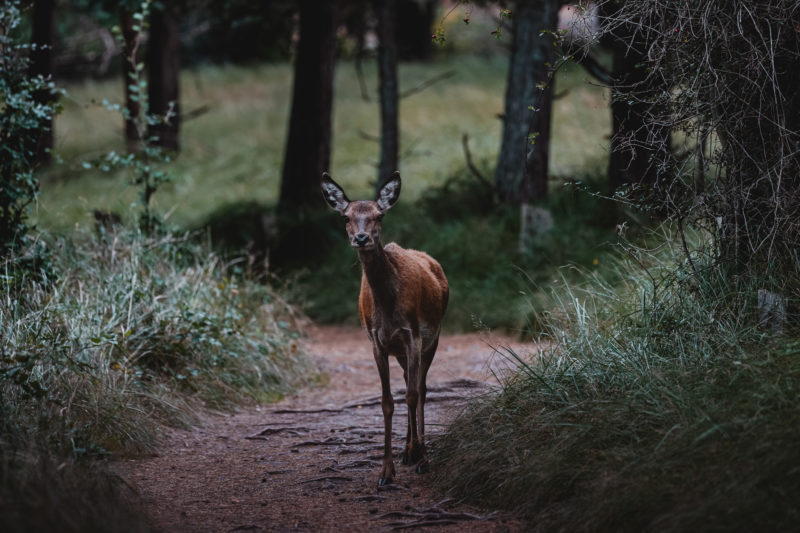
pixel 43 37
pixel 521 175
pixel 131 81
pixel 163 72
pixel 386 13
pixel 308 145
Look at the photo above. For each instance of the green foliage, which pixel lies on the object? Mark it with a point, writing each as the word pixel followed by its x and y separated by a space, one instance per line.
pixel 22 118
pixel 145 160
pixel 653 404
pixel 147 174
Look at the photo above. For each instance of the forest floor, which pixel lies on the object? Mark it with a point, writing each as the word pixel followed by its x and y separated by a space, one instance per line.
pixel 311 461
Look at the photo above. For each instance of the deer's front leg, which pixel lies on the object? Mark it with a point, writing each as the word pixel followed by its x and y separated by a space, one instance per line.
pixel 387 405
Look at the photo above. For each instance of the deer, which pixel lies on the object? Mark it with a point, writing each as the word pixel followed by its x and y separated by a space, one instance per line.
pixel 403 298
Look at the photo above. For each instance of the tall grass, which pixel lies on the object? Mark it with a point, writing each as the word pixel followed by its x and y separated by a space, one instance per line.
pixel 654 404
pixel 117 336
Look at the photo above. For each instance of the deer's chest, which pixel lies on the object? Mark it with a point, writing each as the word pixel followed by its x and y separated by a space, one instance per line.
pixel 388 335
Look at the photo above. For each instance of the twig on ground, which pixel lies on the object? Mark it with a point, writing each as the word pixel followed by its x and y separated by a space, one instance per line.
pixel 427 83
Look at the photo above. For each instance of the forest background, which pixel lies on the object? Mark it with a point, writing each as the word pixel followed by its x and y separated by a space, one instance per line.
pixel 163 233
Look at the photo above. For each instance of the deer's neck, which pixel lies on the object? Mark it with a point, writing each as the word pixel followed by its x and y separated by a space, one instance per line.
pixel 381 276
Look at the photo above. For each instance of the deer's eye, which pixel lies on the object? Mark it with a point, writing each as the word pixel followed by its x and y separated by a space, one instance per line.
pixel 380 217
pixel 346 220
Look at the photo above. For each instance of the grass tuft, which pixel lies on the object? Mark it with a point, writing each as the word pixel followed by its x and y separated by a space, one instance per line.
pixel 655 403
pixel 119 335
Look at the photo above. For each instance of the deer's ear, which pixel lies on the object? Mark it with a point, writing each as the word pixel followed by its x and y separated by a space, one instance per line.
pixel 390 192
pixel 333 193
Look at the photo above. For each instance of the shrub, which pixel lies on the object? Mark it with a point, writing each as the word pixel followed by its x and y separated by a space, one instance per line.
pixel 22 118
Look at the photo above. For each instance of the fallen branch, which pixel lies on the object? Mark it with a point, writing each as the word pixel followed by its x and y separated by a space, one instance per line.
pixel 194 113
pixel 305 411
pixel 368 136
pixel 261 435
pixel 334 441
pixel 470 165
pixel 325 478
pixel 427 83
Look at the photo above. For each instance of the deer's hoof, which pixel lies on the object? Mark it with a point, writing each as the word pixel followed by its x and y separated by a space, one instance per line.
pixel 422 467
pixel 387 473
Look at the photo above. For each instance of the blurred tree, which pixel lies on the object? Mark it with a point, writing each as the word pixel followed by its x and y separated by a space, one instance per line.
pixel 240 31
pixel 129 14
pixel 43 39
pixel 308 145
pixel 414 20
pixel 163 67
pixel 386 13
pixel 521 174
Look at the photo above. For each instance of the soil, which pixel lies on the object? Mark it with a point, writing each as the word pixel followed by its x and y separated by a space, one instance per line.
pixel 311 461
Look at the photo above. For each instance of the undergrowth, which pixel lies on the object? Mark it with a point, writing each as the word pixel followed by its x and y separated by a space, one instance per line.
pixel 656 403
pixel 119 335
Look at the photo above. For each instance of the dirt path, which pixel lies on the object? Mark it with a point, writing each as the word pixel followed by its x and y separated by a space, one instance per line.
pixel 310 462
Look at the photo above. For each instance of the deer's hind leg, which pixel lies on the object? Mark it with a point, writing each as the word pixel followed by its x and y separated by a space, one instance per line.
pixel 415 449
pixel 387 406
pixel 405 458
pixel 427 359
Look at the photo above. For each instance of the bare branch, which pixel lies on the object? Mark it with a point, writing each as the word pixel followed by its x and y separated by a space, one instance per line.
pixel 427 83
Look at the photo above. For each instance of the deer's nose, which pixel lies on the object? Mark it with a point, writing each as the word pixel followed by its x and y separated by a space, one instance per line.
pixel 361 239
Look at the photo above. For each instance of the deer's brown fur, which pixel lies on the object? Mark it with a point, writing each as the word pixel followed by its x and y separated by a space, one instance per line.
pixel 404 295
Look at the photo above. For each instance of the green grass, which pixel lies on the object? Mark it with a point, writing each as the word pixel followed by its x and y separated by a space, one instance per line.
pixel 655 404
pixel 126 332
pixel 233 153
pixel 115 336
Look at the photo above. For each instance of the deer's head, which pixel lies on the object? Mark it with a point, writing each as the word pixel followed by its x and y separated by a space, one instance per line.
pixel 362 218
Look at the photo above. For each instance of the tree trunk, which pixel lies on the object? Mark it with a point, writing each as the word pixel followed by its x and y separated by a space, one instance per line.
pixel 415 19
pixel 163 72
pixel 43 37
pixel 639 149
pixel 521 175
pixel 386 13
pixel 130 80
pixel 308 146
